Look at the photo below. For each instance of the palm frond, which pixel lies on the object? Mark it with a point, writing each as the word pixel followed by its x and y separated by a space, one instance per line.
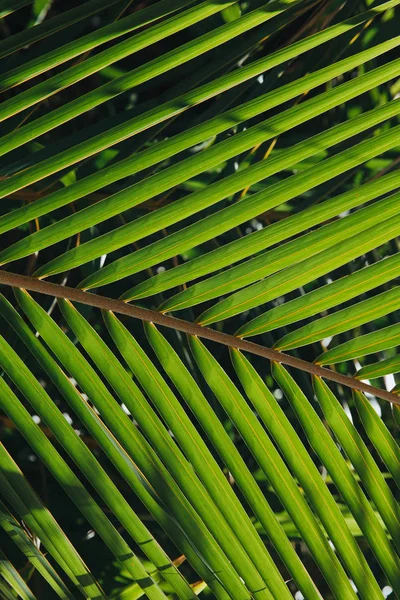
pixel 236 162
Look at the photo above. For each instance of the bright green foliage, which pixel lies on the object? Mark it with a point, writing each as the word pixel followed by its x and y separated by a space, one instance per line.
pixel 234 163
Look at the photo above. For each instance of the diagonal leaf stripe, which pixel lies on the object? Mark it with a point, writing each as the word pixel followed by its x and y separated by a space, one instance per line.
pixel 244 210
pixel 38 398
pixel 191 445
pixel 63 383
pixel 169 147
pixel 250 429
pixel 14 579
pixel 41 125
pixel 214 429
pixel 126 346
pixel 291 278
pixel 137 448
pixel 33 554
pixel 304 149
pixel 6 591
pixel 286 255
pixel 129 128
pixel 381 437
pixel 184 89
pixel 205 229
pixel 74 74
pixel 85 44
pixel 333 294
pixel 235 159
pixel 328 452
pixel 67 353
pixel 150 70
pixel 298 458
pixel 259 240
pixel 32 505
pixel 7 7
pixel 343 320
pixel 14 487
pixel 114 30
pixel 382 339
pixel 33 34
pixel 357 451
pixel 383 367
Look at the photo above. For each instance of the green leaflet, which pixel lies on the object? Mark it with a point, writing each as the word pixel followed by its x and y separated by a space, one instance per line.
pixel 46 28
pixel 264 497
pixel 378 369
pixel 189 50
pixel 254 242
pixel 217 223
pixel 178 210
pixel 13 487
pixel 330 456
pixel 14 579
pixel 370 476
pixel 6 591
pixel 162 481
pixel 383 441
pixel 343 320
pixel 300 461
pixel 84 44
pixel 284 256
pixel 138 449
pixel 247 139
pixel 396 409
pixel 196 452
pixel 9 6
pixel 180 468
pixel 215 431
pixel 167 148
pixel 261 447
pixel 294 276
pixel 35 557
pixel 81 408
pixel 143 73
pixel 333 294
pixel 42 403
pixel 382 339
pixel 69 355
pixel 297 274
pixel 109 90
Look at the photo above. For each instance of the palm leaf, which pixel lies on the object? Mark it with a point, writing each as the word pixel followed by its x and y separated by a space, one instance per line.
pixel 215 156
pixel 41 522
pixel 236 162
pixel 359 455
pixel 32 553
pixel 10 574
pixel 60 470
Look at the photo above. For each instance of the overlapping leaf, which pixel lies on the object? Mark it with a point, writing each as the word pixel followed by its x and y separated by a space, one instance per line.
pixel 282 115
